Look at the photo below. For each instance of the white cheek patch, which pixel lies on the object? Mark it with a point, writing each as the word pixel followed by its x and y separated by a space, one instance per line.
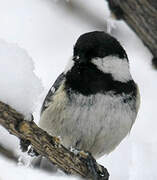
pixel 119 68
pixel 69 65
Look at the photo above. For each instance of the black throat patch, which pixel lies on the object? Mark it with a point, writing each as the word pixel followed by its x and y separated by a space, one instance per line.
pixel 88 80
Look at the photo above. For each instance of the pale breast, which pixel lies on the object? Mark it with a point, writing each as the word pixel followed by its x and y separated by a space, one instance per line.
pixel 96 123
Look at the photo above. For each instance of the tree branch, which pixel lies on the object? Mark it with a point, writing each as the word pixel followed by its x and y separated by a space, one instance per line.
pixel 8 154
pixel 141 16
pixel 82 163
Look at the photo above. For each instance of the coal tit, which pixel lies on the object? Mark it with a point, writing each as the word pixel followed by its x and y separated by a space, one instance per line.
pixel 94 102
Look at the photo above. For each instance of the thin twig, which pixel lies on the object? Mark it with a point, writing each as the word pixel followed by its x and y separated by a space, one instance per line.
pixel 8 154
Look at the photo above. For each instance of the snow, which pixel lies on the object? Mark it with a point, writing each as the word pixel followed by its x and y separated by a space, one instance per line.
pixel 18 172
pixel 47 30
pixel 20 87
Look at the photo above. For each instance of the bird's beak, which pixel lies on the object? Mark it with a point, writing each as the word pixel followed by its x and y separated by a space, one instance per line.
pixel 76 59
pixel 79 60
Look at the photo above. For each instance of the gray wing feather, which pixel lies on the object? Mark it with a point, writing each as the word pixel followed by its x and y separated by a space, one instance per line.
pixel 51 92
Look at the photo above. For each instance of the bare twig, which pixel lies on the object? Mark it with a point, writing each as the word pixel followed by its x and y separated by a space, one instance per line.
pixel 82 164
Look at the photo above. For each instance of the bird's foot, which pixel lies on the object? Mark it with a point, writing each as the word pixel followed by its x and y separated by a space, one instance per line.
pixel 98 171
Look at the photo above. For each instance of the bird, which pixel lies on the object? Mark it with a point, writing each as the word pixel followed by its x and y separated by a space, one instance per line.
pixel 93 104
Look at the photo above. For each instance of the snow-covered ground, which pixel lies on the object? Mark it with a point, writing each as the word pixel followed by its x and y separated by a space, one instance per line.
pixel 47 31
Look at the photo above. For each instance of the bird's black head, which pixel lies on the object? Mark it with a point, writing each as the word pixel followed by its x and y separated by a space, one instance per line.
pixel 97 44
pixel 99 65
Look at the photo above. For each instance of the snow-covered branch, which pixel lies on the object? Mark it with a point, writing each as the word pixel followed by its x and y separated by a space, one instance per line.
pixel 81 163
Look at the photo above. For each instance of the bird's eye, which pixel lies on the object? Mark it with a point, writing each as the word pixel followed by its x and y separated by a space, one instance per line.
pixel 76 58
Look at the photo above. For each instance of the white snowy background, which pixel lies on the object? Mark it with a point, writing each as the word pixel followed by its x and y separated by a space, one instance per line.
pixel 36 41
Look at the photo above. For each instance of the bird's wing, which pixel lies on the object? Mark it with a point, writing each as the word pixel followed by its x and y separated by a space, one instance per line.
pixel 51 92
